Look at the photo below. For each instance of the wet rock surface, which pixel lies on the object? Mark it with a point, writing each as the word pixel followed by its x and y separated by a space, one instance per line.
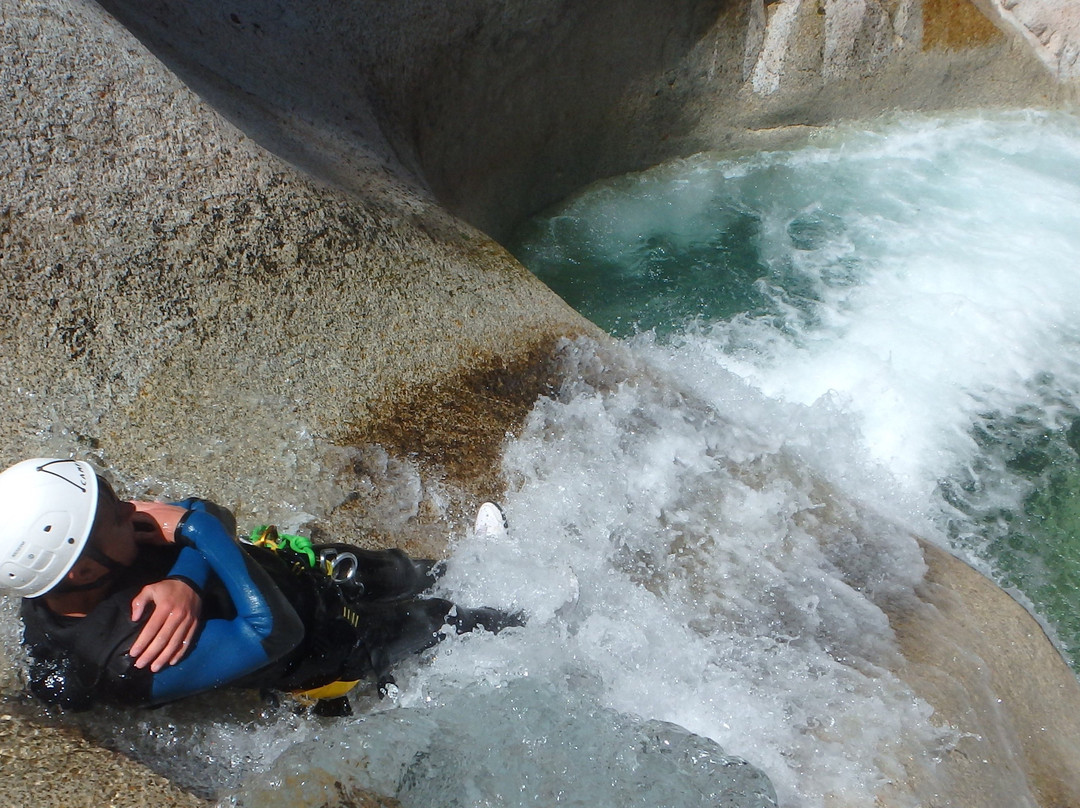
pixel 188 309
pixel 50 766
pixel 991 673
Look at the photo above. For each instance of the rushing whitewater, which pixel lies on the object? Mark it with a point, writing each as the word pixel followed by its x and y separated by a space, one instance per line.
pixel 919 278
pixel 824 353
pixel 707 519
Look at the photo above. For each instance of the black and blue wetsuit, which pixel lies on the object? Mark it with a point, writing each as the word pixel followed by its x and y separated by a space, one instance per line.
pixel 268 622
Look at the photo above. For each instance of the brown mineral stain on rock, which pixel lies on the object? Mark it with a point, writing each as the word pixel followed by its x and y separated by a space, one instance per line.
pixel 459 424
pixel 956 24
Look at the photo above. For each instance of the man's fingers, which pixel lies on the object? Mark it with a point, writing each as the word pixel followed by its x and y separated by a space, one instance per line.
pixel 147 636
pixel 162 651
pixel 155 637
pixel 173 642
pixel 185 643
pixel 152 652
pixel 172 623
pixel 177 646
pixel 167 653
pixel 138 604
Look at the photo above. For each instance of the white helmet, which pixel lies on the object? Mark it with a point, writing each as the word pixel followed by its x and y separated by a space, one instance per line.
pixel 47 509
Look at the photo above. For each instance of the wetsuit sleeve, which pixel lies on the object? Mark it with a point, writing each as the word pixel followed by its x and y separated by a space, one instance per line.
pixel 191 566
pixel 223 514
pixel 265 627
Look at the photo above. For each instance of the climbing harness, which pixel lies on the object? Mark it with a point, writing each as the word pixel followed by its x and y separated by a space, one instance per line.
pixel 339 566
pixel 268 536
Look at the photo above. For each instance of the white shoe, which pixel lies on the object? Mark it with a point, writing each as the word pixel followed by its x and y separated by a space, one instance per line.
pixel 490 521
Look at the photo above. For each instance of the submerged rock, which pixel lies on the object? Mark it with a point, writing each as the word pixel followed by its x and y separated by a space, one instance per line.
pixel 519 744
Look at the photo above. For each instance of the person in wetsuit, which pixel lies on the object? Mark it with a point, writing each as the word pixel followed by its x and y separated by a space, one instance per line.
pixel 143 603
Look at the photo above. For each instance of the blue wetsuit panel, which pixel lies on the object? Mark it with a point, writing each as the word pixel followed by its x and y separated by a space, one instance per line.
pixel 265 627
pixel 191 566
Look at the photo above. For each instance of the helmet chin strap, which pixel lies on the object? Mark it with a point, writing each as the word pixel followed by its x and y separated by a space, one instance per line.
pixel 111 565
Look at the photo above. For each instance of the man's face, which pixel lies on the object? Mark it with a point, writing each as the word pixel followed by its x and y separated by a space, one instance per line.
pixel 114 531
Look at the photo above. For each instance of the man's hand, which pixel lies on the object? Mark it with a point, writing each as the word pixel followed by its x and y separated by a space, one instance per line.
pixel 155 522
pixel 169 632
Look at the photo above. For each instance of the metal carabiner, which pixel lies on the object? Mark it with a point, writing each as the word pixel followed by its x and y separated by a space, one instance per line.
pixel 341 567
pixel 326 558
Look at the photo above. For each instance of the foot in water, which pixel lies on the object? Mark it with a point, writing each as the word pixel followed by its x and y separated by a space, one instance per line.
pixel 491 521
pixel 484 618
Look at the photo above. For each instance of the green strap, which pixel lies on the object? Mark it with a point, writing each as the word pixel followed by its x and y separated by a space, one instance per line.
pixel 268 536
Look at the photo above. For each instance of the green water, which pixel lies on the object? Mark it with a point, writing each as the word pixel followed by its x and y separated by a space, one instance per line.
pixel 643 253
pixel 1030 534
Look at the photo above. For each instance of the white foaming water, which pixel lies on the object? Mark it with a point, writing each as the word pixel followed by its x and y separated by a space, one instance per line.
pixel 685 565
pixel 705 529
pixel 677 566
pixel 964 238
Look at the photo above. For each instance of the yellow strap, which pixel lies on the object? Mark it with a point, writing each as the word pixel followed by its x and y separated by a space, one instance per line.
pixel 331 691
pixel 269 537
